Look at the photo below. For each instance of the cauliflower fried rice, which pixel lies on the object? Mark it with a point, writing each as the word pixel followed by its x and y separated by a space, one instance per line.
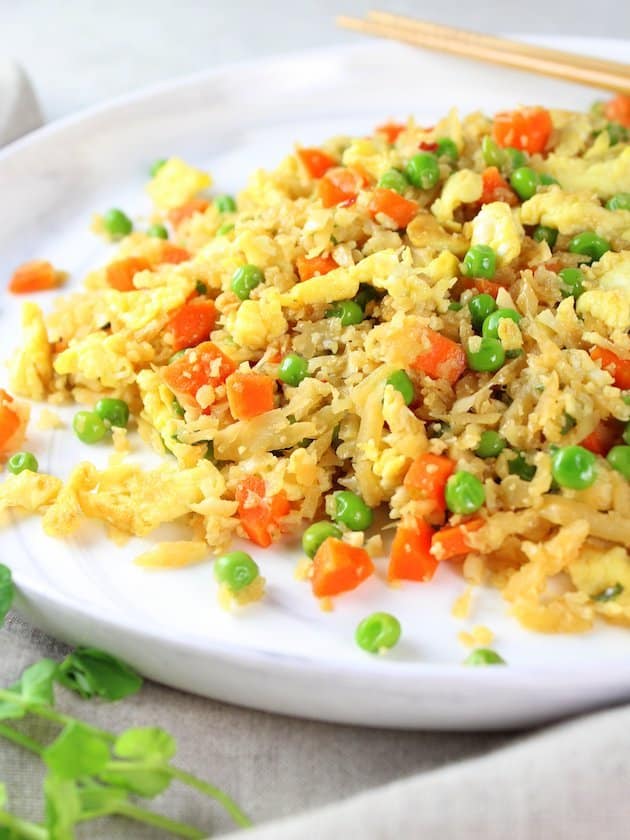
pixel 333 329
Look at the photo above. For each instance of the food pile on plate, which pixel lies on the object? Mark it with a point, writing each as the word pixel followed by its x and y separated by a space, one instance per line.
pixel 429 321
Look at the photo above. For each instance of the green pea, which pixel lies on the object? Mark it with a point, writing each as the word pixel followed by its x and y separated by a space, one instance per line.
pixel 490 328
pixel 351 511
pixel 395 180
pixel 316 534
pixel 626 434
pixel 225 228
pixel 547 180
pixel 401 382
pixel 489 357
pixel 423 170
pixel 236 570
pixel 546 234
pixel 117 224
pixel 378 632
pixel 157 232
pixel 617 133
pixel 619 201
pixel 89 427
pixel 156 166
pixel 589 244
pixel 525 182
pixel 520 467
pixel 480 261
pixel 293 369
pixel 245 279
pixel 365 294
pixel 572 282
pixel 492 154
pixel 480 307
pixel 455 306
pixel 348 311
pixel 574 467
pixel 225 204
pixel 113 412
pixel 464 493
pixel 447 148
pixel 22 461
pixel 484 656
pixel 516 159
pixel 619 459
pixel 490 444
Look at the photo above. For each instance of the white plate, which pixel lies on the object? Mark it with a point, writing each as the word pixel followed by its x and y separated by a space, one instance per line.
pixel 283 654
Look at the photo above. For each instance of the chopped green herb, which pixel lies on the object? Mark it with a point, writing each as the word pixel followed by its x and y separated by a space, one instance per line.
pixel 519 466
pixel 568 423
pixel 609 593
pixel 201 288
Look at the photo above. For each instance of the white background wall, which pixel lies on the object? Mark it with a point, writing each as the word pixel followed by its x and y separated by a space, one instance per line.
pixel 81 51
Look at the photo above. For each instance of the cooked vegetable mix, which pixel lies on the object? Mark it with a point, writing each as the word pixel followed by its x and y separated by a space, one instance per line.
pixel 412 344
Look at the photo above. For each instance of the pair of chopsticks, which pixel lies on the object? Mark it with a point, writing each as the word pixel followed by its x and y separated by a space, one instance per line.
pixel 596 72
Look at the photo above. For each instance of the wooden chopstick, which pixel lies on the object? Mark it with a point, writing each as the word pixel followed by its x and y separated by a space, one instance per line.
pixel 496 43
pixel 600 73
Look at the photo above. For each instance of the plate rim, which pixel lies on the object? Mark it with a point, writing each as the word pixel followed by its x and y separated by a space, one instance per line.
pixel 399 673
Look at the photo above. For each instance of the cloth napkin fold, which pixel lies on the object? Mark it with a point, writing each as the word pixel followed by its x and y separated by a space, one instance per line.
pixel 566 782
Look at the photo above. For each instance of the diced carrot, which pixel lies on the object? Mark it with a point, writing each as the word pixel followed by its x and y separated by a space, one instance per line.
pixel 34 276
pixel 618 109
pixel 249 394
pixel 339 567
pixel 316 162
pixel 308 268
pixel 528 129
pixel 339 184
pixel 411 557
pixel 172 254
pixel 440 358
pixel 453 540
pixel 603 437
pixel 427 147
pixel 258 514
pixel 203 365
pixel 192 323
pixel 496 188
pixel 618 368
pixel 9 424
pixel 481 285
pixel 120 273
pixel 394 206
pixel 427 476
pixel 178 214
pixel 391 130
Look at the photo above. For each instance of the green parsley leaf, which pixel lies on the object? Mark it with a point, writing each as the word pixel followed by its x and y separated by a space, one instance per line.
pixel 91 672
pixel 76 752
pixel 3 795
pixel 147 744
pixel 36 683
pixel 63 807
pixel 140 780
pixel 7 592
pixel 97 798
pixel 609 593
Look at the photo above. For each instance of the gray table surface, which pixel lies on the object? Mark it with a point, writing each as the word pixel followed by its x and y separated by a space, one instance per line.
pixel 80 52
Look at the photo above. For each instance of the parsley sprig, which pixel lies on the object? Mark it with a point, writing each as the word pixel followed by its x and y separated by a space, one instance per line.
pixel 91 773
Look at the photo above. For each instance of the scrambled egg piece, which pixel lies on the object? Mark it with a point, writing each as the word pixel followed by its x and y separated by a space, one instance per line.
pixel 257 322
pixel 31 367
pixel 368 156
pixel 595 571
pixel 573 212
pixel 424 231
pixel 175 183
pixel 173 555
pixel 29 490
pixel 148 308
pixel 343 283
pixel 110 360
pixel 612 306
pixel 602 177
pixel 497 226
pixel 463 187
